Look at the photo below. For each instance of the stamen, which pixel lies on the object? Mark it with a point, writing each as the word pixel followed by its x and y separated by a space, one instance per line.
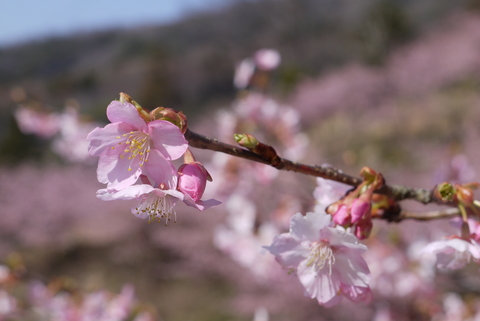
pixel 157 208
pixel 321 254
pixel 137 146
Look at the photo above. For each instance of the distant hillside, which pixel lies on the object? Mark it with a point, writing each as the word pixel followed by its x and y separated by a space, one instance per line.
pixel 189 64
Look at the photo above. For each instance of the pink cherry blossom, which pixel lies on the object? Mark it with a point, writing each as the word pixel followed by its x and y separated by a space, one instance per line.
pixel 243 73
pixel 31 121
pixel 125 145
pixel 267 59
pixel 453 253
pixel 70 142
pixel 242 240
pixel 157 196
pixel 327 260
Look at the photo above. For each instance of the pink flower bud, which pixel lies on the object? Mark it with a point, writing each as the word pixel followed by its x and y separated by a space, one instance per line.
pixel 342 216
pixel 192 179
pixel 359 209
pixel 363 228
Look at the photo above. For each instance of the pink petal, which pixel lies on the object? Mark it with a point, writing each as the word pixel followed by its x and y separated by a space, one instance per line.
pixel 200 205
pixel 308 227
pixel 118 112
pixel 341 238
pixel 288 251
pixel 131 192
pixel 176 194
pixel 167 138
pixel 103 139
pixel 357 293
pixel 322 284
pixel 159 170
pixel 352 268
pixel 113 170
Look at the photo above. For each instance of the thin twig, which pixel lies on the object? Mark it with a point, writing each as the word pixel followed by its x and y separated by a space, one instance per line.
pixel 425 216
pixel 397 192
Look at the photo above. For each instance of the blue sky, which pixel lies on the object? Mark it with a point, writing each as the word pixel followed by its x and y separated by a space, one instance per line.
pixel 24 20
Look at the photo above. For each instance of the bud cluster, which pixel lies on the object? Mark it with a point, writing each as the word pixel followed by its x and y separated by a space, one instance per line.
pixel 355 208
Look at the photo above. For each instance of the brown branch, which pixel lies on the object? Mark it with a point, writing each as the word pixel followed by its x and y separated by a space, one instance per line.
pixel 396 192
pixel 425 216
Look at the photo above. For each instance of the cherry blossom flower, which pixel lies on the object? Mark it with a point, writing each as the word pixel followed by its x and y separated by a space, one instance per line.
pixel 8 304
pixel 267 59
pixel 125 145
pixel 243 73
pixel 31 121
pixel 327 260
pixel 453 253
pixel 243 241
pixel 157 196
pixel 70 142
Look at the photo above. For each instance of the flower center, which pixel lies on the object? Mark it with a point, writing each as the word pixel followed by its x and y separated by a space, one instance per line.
pixel 156 207
pixel 321 254
pixel 138 147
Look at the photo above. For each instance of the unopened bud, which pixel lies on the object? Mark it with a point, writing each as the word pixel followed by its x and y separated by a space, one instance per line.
pixel 359 209
pixel 363 229
pixel 368 174
pixel 188 158
pixel 192 180
pixel 464 194
pixel 445 191
pixel 175 117
pixel 342 216
pixel 246 140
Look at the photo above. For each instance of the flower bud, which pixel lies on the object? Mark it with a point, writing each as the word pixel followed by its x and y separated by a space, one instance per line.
pixel 177 118
pixel 246 140
pixel 368 174
pixel 192 180
pixel 445 192
pixel 359 209
pixel 464 194
pixel 363 228
pixel 342 216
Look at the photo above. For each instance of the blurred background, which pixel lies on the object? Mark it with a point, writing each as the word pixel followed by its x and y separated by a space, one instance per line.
pixel 391 84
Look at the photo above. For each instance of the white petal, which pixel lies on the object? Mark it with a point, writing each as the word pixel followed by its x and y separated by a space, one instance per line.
pixel 288 251
pixel 307 228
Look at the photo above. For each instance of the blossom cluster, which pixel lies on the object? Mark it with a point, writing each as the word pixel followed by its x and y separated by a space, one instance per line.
pixel 61 300
pixel 66 130
pixel 135 153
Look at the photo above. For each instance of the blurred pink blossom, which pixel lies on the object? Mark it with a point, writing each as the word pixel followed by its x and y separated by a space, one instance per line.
pixel 327 192
pixel 240 239
pixel 453 253
pixel 243 73
pixel 42 124
pixel 267 59
pixel 71 143
pixel 8 304
pixel 96 306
